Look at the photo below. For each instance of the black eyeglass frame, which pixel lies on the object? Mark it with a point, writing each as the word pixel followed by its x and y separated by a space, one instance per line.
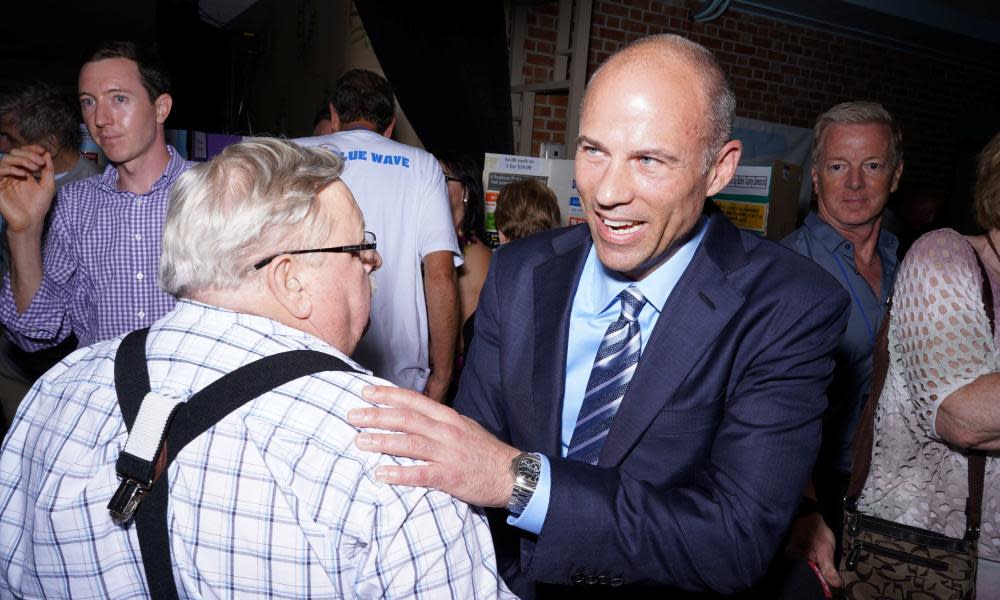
pixel 351 249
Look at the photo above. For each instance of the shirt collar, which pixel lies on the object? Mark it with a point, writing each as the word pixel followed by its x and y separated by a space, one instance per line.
pixel 109 180
pixel 831 239
pixel 605 284
pixel 219 319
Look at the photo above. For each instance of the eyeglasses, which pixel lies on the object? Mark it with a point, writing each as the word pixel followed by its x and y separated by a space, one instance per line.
pixel 448 178
pixel 365 251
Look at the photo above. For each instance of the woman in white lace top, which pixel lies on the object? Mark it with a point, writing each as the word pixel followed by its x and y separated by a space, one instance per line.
pixel 942 391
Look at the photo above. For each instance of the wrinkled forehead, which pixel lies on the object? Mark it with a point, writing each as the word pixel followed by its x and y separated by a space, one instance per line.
pixel 872 137
pixel 659 100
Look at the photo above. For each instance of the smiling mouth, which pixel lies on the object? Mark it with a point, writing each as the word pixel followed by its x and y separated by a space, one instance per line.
pixel 622 226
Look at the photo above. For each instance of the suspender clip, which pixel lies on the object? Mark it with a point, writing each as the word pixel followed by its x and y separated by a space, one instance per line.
pixel 126 499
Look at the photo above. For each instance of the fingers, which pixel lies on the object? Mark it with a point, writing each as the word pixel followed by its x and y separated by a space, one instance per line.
pixel 412 446
pixel 48 180
pixel 415 476
pixel 401 420
pixel 830 573
pixel 21 166
pixel 30 157
pixel 404 398
pixel 13 171
pixel 822 549
pixel 29 150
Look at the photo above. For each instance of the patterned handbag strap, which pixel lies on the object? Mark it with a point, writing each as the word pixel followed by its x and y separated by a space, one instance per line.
pixel 864 434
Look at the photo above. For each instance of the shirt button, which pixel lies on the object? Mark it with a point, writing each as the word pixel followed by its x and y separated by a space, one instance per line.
pixel 137 237
pixel 139 276
pixel 141 314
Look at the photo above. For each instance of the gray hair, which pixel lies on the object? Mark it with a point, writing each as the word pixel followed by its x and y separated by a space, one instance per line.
pixel 858 112
pixel 718 92
pixel 254 199
pixel 40 110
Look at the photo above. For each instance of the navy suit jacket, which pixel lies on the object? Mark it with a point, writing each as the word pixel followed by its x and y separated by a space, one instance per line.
pixel 707 457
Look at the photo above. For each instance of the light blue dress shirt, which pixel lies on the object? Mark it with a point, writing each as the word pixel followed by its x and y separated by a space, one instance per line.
pixel 595 307
pixel 852 372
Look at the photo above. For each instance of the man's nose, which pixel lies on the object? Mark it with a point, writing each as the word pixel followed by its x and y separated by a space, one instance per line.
pixel 372 261
pixel 855 177
pixel 614 186
pixel 102 114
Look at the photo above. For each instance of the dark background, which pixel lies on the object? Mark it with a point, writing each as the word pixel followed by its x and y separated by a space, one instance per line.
pixel 937 68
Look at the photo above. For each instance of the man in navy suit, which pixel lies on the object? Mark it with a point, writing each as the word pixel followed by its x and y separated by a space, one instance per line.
pixel 687 475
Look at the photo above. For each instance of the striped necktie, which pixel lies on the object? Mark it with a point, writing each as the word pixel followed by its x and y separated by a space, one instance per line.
pixel 609 378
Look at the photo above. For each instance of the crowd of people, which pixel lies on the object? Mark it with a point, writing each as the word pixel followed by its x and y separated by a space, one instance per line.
pixel 301 369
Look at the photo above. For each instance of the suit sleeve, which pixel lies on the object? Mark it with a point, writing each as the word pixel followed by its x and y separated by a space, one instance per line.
pixel 721 527
pixel 479 387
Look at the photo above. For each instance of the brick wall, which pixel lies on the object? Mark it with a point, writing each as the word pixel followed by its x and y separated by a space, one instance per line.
pixel 788 74
pixel 539 63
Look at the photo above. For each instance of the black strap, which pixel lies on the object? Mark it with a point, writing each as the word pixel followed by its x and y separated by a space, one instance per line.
pixel 192 418
pixel 131 376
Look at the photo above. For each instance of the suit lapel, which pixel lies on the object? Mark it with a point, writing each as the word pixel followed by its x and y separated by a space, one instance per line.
pixel 555 283
pixel 699 307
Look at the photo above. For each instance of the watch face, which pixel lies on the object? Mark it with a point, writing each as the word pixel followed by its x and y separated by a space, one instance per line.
pixel 529 467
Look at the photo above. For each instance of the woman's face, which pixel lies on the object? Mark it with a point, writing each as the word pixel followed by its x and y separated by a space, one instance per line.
pixel 456 196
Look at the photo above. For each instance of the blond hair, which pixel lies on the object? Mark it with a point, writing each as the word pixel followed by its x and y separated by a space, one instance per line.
pixel 854 113
pixel 986 198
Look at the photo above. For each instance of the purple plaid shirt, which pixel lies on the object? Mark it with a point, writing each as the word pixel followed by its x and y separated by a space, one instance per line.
pixel 100 262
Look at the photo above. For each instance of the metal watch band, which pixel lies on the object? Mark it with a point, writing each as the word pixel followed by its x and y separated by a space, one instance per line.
pixel 525 468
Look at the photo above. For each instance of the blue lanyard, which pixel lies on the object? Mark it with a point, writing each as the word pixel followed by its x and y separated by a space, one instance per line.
pixel 861 308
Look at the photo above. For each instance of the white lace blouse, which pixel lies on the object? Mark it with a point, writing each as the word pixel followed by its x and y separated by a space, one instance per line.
pixel 939 340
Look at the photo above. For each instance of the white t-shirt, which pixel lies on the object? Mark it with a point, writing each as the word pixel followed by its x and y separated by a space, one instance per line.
pixel 402 194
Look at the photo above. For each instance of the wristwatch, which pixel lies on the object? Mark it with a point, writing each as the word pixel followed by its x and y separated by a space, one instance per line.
pixel 525 468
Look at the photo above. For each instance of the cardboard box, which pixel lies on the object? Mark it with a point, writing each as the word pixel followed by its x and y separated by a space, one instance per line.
pixel 501 169
pixel 763 199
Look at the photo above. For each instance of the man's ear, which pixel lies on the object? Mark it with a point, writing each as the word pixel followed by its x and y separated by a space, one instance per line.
pixel 334 119
pixel 388 130
pixel 895 177
pixel 285 283
pixel 52 145
pixel 724 168
pixel 163 104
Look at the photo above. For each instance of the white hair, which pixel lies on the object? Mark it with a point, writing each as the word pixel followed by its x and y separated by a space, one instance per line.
pixel 255 199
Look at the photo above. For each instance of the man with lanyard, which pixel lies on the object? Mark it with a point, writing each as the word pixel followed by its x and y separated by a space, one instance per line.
pixel 96 274
pixel 857 163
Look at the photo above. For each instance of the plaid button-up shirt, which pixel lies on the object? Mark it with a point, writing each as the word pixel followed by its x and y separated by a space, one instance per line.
pixel 100 262
pixel 273 501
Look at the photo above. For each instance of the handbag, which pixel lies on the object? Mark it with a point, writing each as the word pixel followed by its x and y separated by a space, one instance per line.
pixel 884 559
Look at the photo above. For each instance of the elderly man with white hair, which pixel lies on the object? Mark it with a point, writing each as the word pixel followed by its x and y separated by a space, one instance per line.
pixel 266 251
